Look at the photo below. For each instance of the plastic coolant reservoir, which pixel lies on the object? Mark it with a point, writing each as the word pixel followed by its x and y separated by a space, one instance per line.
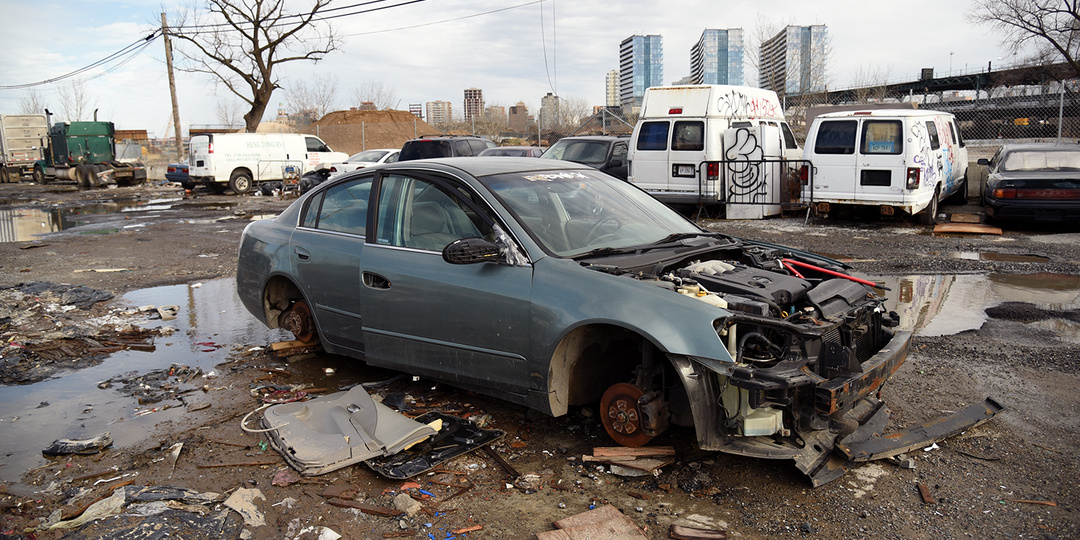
pixel 696 291
pixel 753 422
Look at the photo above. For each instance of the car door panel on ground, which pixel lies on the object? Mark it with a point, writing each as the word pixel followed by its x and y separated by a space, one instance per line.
pixel 327 249
pixel 429 316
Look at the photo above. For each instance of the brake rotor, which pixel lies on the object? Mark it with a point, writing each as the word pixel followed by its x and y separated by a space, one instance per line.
pixel 298 320
pixel 621 416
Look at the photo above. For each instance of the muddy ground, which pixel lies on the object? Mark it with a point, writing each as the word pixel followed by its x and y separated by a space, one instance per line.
pixel 1016 476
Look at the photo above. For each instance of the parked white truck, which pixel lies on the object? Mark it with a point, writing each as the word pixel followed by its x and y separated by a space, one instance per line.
pixel 241 161
pixel 21 144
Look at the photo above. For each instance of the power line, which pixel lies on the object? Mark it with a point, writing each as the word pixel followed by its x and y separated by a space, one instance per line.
pixel 444 20
pixel 130 51
pixel 195 29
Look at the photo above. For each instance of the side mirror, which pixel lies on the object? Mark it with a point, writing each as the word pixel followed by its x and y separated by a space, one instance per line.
pixel 471 251
pixel 615 163
pixel 983 161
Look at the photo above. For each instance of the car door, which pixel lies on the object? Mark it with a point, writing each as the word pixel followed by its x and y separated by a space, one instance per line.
pixel 326 249
pixel 465 324
pixel 880 172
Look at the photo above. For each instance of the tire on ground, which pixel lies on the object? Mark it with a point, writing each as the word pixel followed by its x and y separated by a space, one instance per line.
pixel 39 176
pixel 240 182
pixel 5 175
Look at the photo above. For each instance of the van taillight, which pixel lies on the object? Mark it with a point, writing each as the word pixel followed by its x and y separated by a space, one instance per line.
pixel 712 170
pixel 675 111
pixel 913 175
pixel 209 148
pixel 804 174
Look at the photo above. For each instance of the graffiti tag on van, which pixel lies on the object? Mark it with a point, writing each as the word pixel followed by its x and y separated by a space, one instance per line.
pixel 736 104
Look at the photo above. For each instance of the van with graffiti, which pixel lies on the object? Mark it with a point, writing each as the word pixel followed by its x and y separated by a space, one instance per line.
pixel 904 160
pixel 680 140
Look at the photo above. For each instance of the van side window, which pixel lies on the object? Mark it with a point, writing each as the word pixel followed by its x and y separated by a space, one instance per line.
pixel 789 137
pixel 689 136
pixel 653 136
pixel 315 145
pixel 956 134
pixel 836 137
pixel 882 137
pixel 931 130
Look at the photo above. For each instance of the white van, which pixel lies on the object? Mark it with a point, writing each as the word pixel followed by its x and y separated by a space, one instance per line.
pixel 243 160
pixel 679 142
pixel 897 159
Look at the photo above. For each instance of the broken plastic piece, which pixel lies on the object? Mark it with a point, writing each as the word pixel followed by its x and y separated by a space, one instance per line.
pixel 923 435
pixel 456 437
pixel 84 447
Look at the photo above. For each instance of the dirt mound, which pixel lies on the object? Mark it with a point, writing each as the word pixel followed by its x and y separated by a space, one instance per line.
pixel 354 131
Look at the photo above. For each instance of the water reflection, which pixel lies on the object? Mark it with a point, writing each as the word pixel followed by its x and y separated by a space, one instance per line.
pixel 23 224
pixel 71 406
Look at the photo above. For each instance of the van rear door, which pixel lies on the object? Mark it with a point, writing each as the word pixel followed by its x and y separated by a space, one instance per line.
pixel 833 156
pixel 199 157
pixel 880 167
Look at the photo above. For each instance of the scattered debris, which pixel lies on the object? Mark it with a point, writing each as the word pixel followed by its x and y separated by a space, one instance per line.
pixel 365 508
pixel 966 228
pixel 405 503
pixel 174 454
pixel 83 447
pixel 1044 503
pixel 243 501
pixel 641 461
pixel 680 532
pixel 168 313
pixel 924 492
pixel 603 523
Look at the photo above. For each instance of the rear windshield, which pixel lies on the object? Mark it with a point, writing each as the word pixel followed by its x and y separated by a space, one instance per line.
pixel 653 136
pixel 689 135
pixel 425 149
pixel 836 137
pixel 1054 160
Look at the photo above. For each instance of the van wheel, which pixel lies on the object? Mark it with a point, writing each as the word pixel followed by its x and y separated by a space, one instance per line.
pixel 929 215
pixel 960 197
pixel 240 182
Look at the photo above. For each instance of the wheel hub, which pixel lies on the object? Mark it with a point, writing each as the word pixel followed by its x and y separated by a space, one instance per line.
pixel 621 416
pixel 297 320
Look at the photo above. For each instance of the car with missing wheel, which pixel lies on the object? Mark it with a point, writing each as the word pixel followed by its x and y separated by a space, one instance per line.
pixel 1033 182
pixel 553 285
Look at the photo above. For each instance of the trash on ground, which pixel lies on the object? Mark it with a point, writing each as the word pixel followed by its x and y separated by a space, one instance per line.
pixel 243 501
pixel 602 522
pixel 681 532
pixel 455 436
pixel 641 461
pixel 84 447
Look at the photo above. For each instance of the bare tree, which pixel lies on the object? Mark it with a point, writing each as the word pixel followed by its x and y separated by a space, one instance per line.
pixel 228 113
pixel 32 102
pixel 870 83
pixel 75 101
pixel 1052 27
pixel 310 102
pixel 241 42
pixel 381 95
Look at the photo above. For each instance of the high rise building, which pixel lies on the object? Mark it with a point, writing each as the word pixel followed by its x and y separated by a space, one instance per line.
pixel 417 110
pixel 611 88
pixel 794 61
pixel 518 117
pixel 717 58
pixel 549 111
pixel 641 65
pixel 474 104
pixel 439 112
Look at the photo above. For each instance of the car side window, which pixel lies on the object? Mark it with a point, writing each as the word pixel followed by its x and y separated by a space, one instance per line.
pixel 688 136
pixel 478 146
pixel 836 137
pixel 956 134
pixel 311 214
pixel 653 136
pixel 462 148
pixel 619 152
pixel 931 130
pixel 420 214
pixel 344 207
pixel 789 137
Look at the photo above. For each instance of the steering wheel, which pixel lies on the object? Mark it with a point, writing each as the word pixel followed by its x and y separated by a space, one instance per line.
pixel 590 239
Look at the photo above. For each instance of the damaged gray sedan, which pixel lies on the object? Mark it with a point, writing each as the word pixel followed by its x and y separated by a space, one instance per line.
pixel 552 285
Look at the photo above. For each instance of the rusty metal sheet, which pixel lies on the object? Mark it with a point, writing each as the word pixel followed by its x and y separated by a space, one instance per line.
pixel 922 435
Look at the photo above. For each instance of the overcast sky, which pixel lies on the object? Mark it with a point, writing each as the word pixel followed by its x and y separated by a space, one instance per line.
pixel 520 53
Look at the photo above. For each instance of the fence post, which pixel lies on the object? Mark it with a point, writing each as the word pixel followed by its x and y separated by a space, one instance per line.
pixel 363 136
pixel 1061 110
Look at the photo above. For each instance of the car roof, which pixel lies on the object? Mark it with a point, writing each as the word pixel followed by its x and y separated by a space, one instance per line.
pixel 1012 147
pixel 595 138
pixel 488 165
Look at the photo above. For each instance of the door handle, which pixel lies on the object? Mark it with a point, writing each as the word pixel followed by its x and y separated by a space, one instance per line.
pixel 375 281
pixel 302 253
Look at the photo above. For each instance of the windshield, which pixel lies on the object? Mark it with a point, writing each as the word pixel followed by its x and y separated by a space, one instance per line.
pixel 369 156
pixel 1049 160
pixel 579 151
pixel 570 213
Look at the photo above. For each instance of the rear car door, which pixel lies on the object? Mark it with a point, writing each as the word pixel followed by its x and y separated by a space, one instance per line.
pixel 466 324
pixel 880 171
pixel 326 249
pixel 834 159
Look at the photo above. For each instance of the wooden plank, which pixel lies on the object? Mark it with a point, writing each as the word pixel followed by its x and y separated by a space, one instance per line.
pixel 965 218
pixel 596 515
pixel 680 532
pixel 294 344
pixel 624 452
pixel 967 228
pixel 366 508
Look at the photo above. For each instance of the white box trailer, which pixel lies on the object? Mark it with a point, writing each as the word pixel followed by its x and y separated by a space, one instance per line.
pixel 23 138
pixel 240 161
pixel 898 160
pixel 678 146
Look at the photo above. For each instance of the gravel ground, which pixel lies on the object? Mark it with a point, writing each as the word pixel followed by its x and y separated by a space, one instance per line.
pixel 983 481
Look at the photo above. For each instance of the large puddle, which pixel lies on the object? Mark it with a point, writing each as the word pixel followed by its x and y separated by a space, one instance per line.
pixel 25 224
pixel 72 406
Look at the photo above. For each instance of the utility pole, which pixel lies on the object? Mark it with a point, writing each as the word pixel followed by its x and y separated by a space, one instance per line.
pixel 172 90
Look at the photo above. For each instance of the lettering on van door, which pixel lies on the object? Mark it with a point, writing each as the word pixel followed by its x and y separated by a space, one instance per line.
pixel 739 105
